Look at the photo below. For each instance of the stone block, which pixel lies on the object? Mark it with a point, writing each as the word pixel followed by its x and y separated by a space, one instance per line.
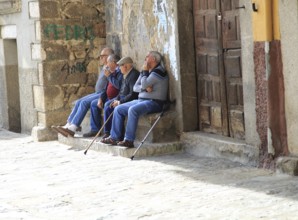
pixel 99 30
pixel 39 98
pixel 92 66
pixel 76 10
pixel 98 3
pixel 49 9
pixel 37 53
pixel 48 98
pixel 37 31
pixel 77 78
pixel 52 74
pixel 216 146
pixel 80 54
pixel 54 52
pixel 287 165
pixel 9 32
pixel 164 130
pixel 58 117
pixel 99 42
pixel 40 133
pixel 54 98
pixel 34 9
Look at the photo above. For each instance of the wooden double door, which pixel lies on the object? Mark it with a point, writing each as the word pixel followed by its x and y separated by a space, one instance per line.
pixel 218 67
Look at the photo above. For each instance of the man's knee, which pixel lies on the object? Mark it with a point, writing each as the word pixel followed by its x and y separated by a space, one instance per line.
pixel 133 111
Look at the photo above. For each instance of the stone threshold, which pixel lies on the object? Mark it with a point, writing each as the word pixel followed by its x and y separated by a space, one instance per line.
pixel 147 149
pixel 216 146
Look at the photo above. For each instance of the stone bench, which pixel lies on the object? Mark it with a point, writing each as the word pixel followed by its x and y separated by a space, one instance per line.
pixel 164 131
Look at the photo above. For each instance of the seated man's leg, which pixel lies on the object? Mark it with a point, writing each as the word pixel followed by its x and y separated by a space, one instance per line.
pixel 95 118
pixel 77 115
pixel 107 112
pixel 120 112
pixel 135 111
pixel 74 110
pixel 82 108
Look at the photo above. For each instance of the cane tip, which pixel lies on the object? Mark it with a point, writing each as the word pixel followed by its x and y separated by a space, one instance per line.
pixel 132 157
pixel 85 152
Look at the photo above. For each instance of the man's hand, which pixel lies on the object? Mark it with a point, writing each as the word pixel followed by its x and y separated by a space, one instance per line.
pixel 107 71
pixel 115 103
pixel 145 66
pixel 149 89
pixel 99 103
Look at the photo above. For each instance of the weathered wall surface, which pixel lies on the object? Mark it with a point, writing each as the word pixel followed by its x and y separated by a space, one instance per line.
pixel 20 27
pixel 72 34
pixel 289 38
pixel 136 27
pixel 249 81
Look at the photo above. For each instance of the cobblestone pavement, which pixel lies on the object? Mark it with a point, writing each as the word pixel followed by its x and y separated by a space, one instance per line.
pixel 48 180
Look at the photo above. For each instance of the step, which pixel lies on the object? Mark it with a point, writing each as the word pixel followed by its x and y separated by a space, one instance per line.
pixel 216 146
pixel 164 131
pixel 147 149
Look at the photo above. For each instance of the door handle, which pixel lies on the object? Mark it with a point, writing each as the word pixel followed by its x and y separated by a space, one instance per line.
pixel 241 7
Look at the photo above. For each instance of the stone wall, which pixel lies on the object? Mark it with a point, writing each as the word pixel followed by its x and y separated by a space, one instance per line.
pixel 289 36
pixel 72 34
pixel 136 27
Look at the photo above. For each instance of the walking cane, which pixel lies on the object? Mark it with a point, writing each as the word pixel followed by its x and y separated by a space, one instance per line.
pixel 98 133
pixel 161 114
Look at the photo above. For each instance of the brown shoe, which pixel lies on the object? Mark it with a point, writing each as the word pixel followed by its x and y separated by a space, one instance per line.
pixel 58 130
pixel 66 131
pixel 126 143
pixel 106 135
pixel 108 141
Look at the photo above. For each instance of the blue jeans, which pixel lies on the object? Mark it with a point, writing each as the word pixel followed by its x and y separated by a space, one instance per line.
pixel 107 112
pixel 95 117
pixel 133 110
pixel 81 108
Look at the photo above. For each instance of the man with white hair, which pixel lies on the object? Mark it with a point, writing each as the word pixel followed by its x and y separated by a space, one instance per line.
pixel 152 86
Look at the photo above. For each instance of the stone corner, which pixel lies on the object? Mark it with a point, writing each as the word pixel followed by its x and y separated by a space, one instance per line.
pixel 40 133
pixel 287 165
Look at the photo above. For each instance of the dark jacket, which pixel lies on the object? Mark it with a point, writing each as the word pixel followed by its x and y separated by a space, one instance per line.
pixel 126 93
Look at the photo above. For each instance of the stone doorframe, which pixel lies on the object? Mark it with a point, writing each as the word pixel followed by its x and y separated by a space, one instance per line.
pixel 188 74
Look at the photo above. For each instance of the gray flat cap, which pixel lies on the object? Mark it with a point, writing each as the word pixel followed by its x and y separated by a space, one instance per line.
pixel 124 60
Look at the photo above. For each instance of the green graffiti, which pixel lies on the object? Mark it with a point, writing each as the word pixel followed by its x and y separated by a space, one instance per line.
pixel 68 32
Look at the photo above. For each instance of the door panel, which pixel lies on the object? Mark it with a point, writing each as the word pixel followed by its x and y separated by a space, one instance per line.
pixel 211 90
pixel 231 24
pixel 218 62
pixel 232 63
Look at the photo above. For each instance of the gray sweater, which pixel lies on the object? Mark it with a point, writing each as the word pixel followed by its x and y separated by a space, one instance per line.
pixel 158 79
pixel 101 82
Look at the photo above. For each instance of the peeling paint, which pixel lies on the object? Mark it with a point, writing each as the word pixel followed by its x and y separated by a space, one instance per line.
pixel 119 5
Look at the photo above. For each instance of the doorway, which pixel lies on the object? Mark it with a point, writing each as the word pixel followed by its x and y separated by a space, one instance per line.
pixel 12 85
pixel 218 67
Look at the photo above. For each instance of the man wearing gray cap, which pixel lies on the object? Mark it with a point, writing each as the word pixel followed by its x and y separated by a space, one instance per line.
pixel 126 94
pixel 152 86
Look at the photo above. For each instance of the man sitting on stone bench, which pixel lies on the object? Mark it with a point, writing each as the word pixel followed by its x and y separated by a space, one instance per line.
pixel 83 104
pixel 126 94
pixel 114 77
pixel 152 86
